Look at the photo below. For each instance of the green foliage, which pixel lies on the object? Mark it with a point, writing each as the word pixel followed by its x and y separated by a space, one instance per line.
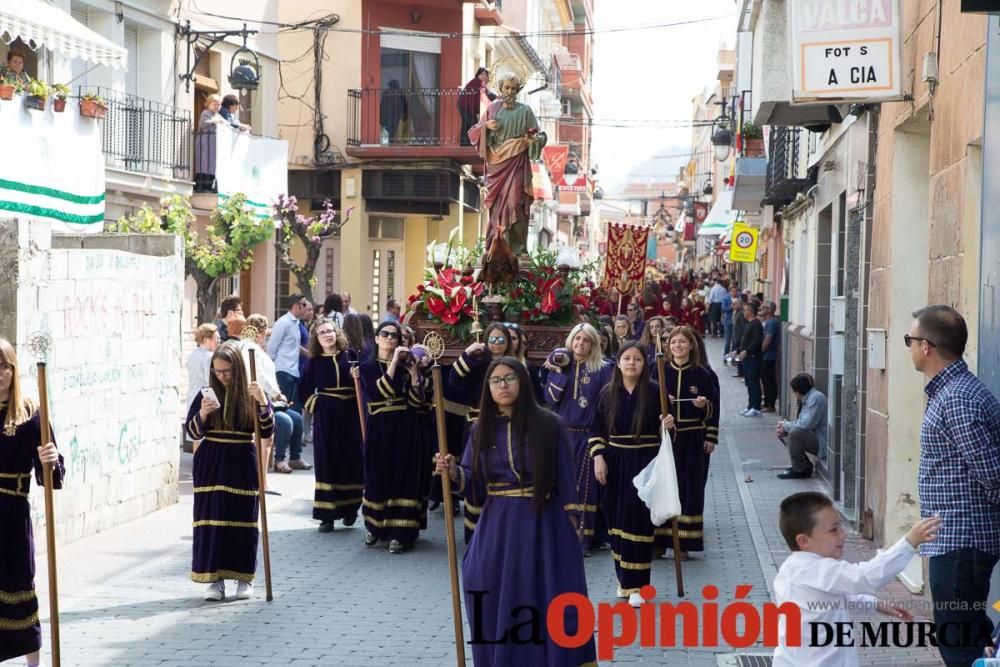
pixel 751 131
pixel 60 90
pixel 38 88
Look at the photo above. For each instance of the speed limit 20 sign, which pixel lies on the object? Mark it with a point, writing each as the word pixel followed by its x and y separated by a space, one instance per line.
pixel 743 247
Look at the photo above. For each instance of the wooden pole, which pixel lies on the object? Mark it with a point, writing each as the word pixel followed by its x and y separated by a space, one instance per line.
pixel 361 403
pixel 664 410
pixel 449 501
pixel 50 517
pixel 261 485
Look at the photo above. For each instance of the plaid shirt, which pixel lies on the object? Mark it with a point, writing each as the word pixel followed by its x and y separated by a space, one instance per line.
pixel 959 477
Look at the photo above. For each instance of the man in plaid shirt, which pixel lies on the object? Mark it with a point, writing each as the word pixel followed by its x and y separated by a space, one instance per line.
pixel 959 480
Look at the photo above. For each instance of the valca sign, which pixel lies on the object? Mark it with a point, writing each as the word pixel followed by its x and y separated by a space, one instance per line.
pixel 845 50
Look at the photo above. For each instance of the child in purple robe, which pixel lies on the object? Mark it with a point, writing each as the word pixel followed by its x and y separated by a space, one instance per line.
pixel 20 456
pixel 524 552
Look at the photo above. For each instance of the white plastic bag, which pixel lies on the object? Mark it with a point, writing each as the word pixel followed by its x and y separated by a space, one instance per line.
pixel 657 484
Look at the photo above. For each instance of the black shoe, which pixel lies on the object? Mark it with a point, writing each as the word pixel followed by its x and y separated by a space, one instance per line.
pixel 370 540
pixel 349 521
pixel 796 474
pixel 326 527
pixel 599 546
pixel 397 547
pixel 433 506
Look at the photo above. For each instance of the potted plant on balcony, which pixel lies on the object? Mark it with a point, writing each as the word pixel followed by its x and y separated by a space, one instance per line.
pixel 38 95
pixel 93 106
pixel 60 91
pixel 8 87
pixel 753 140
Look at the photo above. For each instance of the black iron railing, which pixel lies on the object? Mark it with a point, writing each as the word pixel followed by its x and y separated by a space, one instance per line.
pixel 785 176
pixel 144 136
pixel 410 116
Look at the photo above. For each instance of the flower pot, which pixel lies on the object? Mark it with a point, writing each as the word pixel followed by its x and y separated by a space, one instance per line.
pixel 93 109
pixel 754 148
pixel 59 104
pixel 35 102
pixel 6 91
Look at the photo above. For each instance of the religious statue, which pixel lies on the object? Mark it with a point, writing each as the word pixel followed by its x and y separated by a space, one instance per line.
pixel 508 137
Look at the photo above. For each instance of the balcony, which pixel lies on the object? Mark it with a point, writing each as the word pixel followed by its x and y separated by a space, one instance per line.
pixel 490 13
pixel 573 79
pixel 417 123
pixel 227 161
pixel 786 176
pixel 145 137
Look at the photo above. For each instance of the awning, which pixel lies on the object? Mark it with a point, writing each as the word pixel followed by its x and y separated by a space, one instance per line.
pixel 41 23
pixel 720 219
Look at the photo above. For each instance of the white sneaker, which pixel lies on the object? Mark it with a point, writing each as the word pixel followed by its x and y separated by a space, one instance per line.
pixel 753 413
pixel 620 593
pixel 216 591
pixel 244 590
pixel 636 600
pixel 743 413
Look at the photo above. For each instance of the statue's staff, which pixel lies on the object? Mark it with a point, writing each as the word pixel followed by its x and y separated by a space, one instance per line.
pixel 40 344
pixel 661 366
pixel 250 333
pixel 435 349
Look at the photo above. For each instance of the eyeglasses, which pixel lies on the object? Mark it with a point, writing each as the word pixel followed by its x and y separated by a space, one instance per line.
pixel 388 334
pixel 223 372
pixel 908 339
pixel 327 332
pixel 505 380
pixel 496 340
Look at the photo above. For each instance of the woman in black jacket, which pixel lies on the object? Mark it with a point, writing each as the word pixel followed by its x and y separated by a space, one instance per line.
pixel 750 355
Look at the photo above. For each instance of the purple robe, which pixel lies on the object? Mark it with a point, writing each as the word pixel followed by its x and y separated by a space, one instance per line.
pixel 20 630
pixel 225 496
pixel 695 427
pixel 392 505
pixel 573 395
pixel 519 556
pixel 467 378
pixel 629 526
pixel 327 390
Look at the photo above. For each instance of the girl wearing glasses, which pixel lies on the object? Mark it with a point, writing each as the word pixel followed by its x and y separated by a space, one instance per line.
pixel 327 391
pixel 634 314
pixel 626 438
pixel 20 456
pixel 694 400
pixel 468 381
pixel 524 551
pixel 392 506
pixel 572 393
pixel 225 475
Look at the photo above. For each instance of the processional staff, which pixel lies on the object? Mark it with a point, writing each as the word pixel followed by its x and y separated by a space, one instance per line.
pixel 250 333
pixel 664 410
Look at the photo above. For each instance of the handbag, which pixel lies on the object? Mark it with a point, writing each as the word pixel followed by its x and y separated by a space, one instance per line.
pixel 657 484
pixel 279 406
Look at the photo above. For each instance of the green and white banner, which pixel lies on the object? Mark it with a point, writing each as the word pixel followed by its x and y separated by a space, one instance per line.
pixel 255 166
pixel 53 168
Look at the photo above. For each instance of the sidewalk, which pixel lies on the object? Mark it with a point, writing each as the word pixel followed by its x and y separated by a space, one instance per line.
pixel 127 599
pixel 759 456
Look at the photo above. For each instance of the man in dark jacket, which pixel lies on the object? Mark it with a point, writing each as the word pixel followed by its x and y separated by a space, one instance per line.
pixel 751 357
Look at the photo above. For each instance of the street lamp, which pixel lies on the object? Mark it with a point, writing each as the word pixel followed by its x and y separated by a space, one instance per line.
pixel 722 135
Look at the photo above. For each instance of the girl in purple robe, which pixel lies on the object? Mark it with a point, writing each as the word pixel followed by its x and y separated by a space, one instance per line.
pixel 225 475
pixel 392 506
pixel 20 455
pixel 525 551
pixel 467 378
pixel 694 399
pixel 626 438
pixel 327 391
pixel 572 393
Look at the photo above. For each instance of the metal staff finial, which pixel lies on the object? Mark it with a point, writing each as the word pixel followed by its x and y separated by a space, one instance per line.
pixel 40 345
pixel 434 342
pixel 249 332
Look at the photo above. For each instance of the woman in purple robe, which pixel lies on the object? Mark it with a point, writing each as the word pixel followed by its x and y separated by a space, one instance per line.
pixel 327 391
pixel 21 454
pixel 572 393
pixel 694 401
pixel 626 438
pixel 225 475
pixel 467 378
pixel 525 551
pixel 392 506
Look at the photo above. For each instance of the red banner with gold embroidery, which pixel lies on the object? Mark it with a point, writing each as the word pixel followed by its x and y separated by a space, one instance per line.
pixel 625 261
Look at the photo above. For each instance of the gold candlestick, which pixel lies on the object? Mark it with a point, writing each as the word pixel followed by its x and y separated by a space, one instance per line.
pixel 476 328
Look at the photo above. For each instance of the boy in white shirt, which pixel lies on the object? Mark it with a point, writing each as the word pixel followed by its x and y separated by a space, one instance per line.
pixel 825 587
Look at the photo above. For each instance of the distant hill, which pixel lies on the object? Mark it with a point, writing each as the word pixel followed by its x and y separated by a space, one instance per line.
pixel 660 167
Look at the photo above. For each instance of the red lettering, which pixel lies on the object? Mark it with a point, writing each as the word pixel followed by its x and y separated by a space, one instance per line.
pixel 607 640
pixel 555 620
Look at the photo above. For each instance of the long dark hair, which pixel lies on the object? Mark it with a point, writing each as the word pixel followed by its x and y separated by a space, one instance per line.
pixel 234 413
pixel 333 304
pixel 367 331
pixel 539 444
pixel 386 325
pixel 354 331
pixel 612 394
pixel 502 328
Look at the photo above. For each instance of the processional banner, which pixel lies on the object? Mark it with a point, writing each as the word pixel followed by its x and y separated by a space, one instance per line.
pixel 625 262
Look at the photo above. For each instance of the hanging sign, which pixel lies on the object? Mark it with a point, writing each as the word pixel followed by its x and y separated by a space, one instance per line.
pixel 744 243
pixel 845 50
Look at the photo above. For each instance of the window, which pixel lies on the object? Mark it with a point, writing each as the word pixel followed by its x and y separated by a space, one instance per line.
pixel 132 46
pixel 385 228
pixel 567 106
pixel 408 108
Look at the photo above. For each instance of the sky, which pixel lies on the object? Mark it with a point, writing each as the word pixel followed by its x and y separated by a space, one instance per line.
pixel 651 75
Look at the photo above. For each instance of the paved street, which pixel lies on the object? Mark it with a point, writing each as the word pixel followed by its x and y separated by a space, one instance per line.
pixel 127 600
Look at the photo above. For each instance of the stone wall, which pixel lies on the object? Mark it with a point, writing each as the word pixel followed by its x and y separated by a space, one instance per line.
pixel 112 305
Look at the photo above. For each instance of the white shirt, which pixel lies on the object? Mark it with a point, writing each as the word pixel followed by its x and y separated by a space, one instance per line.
pixel 266 377
pixel 283 345
pixel 198 363
pixel 716 293
pixel 827 590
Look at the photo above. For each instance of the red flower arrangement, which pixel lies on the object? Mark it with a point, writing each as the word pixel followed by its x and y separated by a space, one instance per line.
pixel 447 296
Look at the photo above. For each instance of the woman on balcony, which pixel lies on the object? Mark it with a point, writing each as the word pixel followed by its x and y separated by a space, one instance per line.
pixel 470 101
pixel 204 176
